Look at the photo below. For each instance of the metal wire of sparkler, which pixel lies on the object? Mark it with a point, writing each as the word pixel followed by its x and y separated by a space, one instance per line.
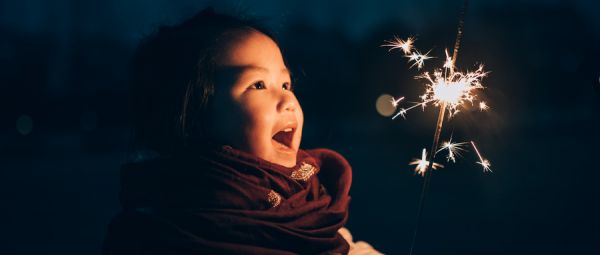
pixel 438 129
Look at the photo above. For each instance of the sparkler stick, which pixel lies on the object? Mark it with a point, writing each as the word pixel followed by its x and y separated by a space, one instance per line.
pixel 427 177
pixel 438 129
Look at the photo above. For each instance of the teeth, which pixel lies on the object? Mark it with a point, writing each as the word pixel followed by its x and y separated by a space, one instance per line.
pixel 287 130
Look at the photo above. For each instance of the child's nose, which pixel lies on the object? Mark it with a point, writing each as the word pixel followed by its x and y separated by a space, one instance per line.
pixel 287 102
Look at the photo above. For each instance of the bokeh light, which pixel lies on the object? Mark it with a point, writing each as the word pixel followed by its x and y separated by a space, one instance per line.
pixel 384 105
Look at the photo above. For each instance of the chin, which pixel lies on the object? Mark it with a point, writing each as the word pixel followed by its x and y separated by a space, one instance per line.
pixel 284 160
pixel 287 162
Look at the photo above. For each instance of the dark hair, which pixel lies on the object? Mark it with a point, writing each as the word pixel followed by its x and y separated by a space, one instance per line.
pixel 173 79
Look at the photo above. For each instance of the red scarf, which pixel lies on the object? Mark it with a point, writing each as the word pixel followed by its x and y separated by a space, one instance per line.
pixel 225 201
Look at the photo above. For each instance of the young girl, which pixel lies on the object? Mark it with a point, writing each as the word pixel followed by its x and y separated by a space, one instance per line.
pixel 221 171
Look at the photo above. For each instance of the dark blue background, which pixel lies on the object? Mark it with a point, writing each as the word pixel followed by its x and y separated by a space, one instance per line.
pixel 64 130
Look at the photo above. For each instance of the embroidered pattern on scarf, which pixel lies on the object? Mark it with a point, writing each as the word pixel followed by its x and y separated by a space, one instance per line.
pixel 304 172
pixel 274 198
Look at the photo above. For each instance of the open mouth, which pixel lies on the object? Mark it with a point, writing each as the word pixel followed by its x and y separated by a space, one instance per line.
pixel 285 137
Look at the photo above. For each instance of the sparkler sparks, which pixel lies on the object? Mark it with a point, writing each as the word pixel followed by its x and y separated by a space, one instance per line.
pixel 483 162
pixel 454 149
pixel 452 88
pixel 449 62
pixel 423 164
pixel 482 106
pixel 445 87
pixel 397 43
pixel 396 101
pixel 418 58
pixel 449 90
pixel 403 111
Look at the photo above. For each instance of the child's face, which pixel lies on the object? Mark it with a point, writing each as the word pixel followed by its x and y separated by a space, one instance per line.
pixel 255 110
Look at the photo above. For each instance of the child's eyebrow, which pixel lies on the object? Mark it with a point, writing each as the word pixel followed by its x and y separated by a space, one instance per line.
pixel 245 68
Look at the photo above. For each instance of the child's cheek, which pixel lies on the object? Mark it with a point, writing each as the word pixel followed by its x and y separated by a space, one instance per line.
pixel 258 123
pixel 300 117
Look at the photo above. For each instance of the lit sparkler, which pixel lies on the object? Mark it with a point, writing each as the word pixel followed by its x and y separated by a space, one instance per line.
pixel 445 86
pixel 447 89
pixel 452 88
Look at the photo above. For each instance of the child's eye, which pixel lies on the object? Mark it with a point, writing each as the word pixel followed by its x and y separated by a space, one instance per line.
pixel 287 86
pixel 258 85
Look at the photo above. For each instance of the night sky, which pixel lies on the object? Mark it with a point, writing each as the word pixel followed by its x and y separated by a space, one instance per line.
pixel 64 128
